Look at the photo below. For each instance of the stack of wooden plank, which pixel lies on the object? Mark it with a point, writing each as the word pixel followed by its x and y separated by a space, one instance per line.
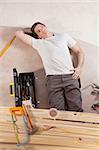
pixel 68 131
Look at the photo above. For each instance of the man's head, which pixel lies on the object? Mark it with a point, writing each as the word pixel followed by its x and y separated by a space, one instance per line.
pixel 39 30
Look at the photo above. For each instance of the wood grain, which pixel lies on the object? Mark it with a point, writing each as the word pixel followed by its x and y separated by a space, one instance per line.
pixel 69 131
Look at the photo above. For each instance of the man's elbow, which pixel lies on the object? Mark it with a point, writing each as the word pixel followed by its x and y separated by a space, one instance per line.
pixel 79 50
pixel 23 37
pixel 19 33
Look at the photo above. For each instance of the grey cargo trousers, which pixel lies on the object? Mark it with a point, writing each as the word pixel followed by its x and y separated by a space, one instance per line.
pixel 64 92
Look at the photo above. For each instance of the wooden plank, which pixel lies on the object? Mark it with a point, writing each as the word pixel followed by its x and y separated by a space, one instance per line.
pixel 68 115
pixel 37 147
pixel 91 142
pixel 65 131
pixel 8 120
pixel 51 134
pixel 79 142
pixel 59 128
pixel 63 115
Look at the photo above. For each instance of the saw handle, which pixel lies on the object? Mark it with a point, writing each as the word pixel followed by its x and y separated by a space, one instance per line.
pixel 16 110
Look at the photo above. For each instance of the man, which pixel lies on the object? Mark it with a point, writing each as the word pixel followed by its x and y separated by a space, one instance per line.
pixel 62 77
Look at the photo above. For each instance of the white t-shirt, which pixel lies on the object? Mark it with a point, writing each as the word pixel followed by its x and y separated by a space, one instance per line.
pixel 55 54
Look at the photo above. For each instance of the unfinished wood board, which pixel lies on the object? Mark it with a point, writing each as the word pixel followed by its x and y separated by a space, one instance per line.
pixel 37 147
pixel 69 131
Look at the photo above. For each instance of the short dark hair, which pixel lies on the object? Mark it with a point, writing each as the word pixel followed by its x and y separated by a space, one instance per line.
pixel 33 27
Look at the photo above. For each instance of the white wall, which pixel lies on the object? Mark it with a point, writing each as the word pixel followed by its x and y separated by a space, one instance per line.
pixel 77 17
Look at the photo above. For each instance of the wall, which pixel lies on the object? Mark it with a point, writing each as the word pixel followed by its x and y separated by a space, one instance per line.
pixel 79 19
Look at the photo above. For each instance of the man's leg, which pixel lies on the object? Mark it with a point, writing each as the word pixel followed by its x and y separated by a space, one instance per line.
pixel 55 92
pixel 73 95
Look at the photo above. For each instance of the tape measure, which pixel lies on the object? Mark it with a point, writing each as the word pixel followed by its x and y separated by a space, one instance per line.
pixel 6 47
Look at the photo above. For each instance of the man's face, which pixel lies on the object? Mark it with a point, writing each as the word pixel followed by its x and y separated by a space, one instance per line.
pixel 41 31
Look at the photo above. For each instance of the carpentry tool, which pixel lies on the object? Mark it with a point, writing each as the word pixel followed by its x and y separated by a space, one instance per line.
pixel 6 47
pixel 24 88
pixel 29 127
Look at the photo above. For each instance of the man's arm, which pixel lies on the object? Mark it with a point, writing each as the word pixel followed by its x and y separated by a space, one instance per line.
pixel 80 58
pixel 24 37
